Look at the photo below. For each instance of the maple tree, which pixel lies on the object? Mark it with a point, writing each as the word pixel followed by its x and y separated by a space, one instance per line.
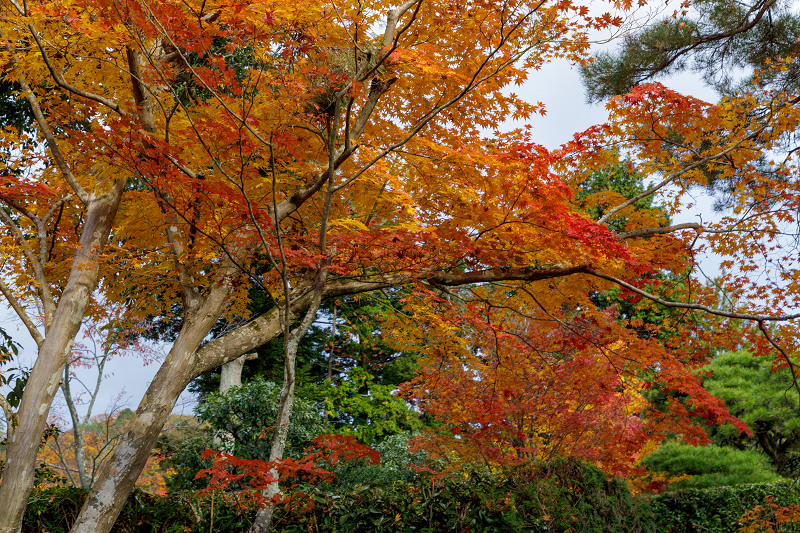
pixel 315 151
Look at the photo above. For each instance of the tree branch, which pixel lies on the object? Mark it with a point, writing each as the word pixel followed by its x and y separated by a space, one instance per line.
pixel 697 307
pixel 61 162
pixel 647 232
pixel 12 300
pixel 66 86
pixel 11 417
pixel 675 175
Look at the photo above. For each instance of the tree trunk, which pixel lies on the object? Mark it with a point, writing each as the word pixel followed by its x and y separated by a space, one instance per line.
pixel 77 431
pixel 119 473
pixel 46 375
pixel 230 377
pixel 231 372
pixel 263 519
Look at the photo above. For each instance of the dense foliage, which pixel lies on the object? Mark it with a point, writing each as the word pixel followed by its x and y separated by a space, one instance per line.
pixel 561 496
pixel 222 176
pixel 765 396
pixel 709 466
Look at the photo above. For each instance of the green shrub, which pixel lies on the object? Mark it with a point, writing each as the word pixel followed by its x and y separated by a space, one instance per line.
pixel 717 510
pixel 560 496
pixel 710 466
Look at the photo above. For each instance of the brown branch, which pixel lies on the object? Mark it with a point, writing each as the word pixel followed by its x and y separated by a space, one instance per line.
pixel 697 307
pixel 66 86
pixel 647 232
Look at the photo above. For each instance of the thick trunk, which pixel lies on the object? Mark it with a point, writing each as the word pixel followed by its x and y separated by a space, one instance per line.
pixel 118 476
pixel 230 377
pixel 120 472
pixel 231 373
pixel 46 375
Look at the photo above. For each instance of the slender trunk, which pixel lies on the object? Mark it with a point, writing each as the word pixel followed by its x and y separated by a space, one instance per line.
pixel 77 431
pixel 333 339
pixel 46 375
pixel 118 475
pixel 263 519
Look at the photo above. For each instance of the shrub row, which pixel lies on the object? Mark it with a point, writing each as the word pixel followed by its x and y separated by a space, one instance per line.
pixel 717 509
pixel 565 496
pixel 561 496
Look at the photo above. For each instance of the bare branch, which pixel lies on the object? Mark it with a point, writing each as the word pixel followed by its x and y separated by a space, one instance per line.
pixel 647 232
pixel 12 300
pixel 698 307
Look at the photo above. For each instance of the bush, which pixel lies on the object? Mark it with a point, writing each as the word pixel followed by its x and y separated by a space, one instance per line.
pixel 710 466
pixel 54 510
pixel 718 509
pixel 560 496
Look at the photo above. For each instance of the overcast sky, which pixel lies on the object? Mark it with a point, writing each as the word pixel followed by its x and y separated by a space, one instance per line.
pixel 557 85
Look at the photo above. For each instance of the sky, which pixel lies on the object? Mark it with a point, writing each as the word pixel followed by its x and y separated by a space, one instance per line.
pixel 558 85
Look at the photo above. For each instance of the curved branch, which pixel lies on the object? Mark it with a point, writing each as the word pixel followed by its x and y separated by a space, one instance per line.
pixel 675 175
pixel 36 265
pixel 697 307
pixel 792 366
pixel 52 144
pixel 68 87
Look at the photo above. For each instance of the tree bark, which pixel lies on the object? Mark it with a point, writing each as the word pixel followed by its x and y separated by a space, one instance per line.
pixel 46 375
pixel 230 377
pixel 231 373
pixel 119 473
pixel 263 519
pixel 77 431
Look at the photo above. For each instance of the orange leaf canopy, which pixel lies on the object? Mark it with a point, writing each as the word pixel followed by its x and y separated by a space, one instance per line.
pixel 276 139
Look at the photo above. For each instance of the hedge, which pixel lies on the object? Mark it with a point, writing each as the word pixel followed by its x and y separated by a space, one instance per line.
pixel 717 509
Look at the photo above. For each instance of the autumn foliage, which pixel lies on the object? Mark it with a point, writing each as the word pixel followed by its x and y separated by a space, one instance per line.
pixel 179 157
pixel 247 478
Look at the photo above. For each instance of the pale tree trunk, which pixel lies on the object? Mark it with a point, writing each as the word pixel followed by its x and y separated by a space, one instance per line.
pixel 230 377
pixel 78 432
pixel 119 473
pixel 46 375
pixel 263 519
pixel 118 476
pixel 231 372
